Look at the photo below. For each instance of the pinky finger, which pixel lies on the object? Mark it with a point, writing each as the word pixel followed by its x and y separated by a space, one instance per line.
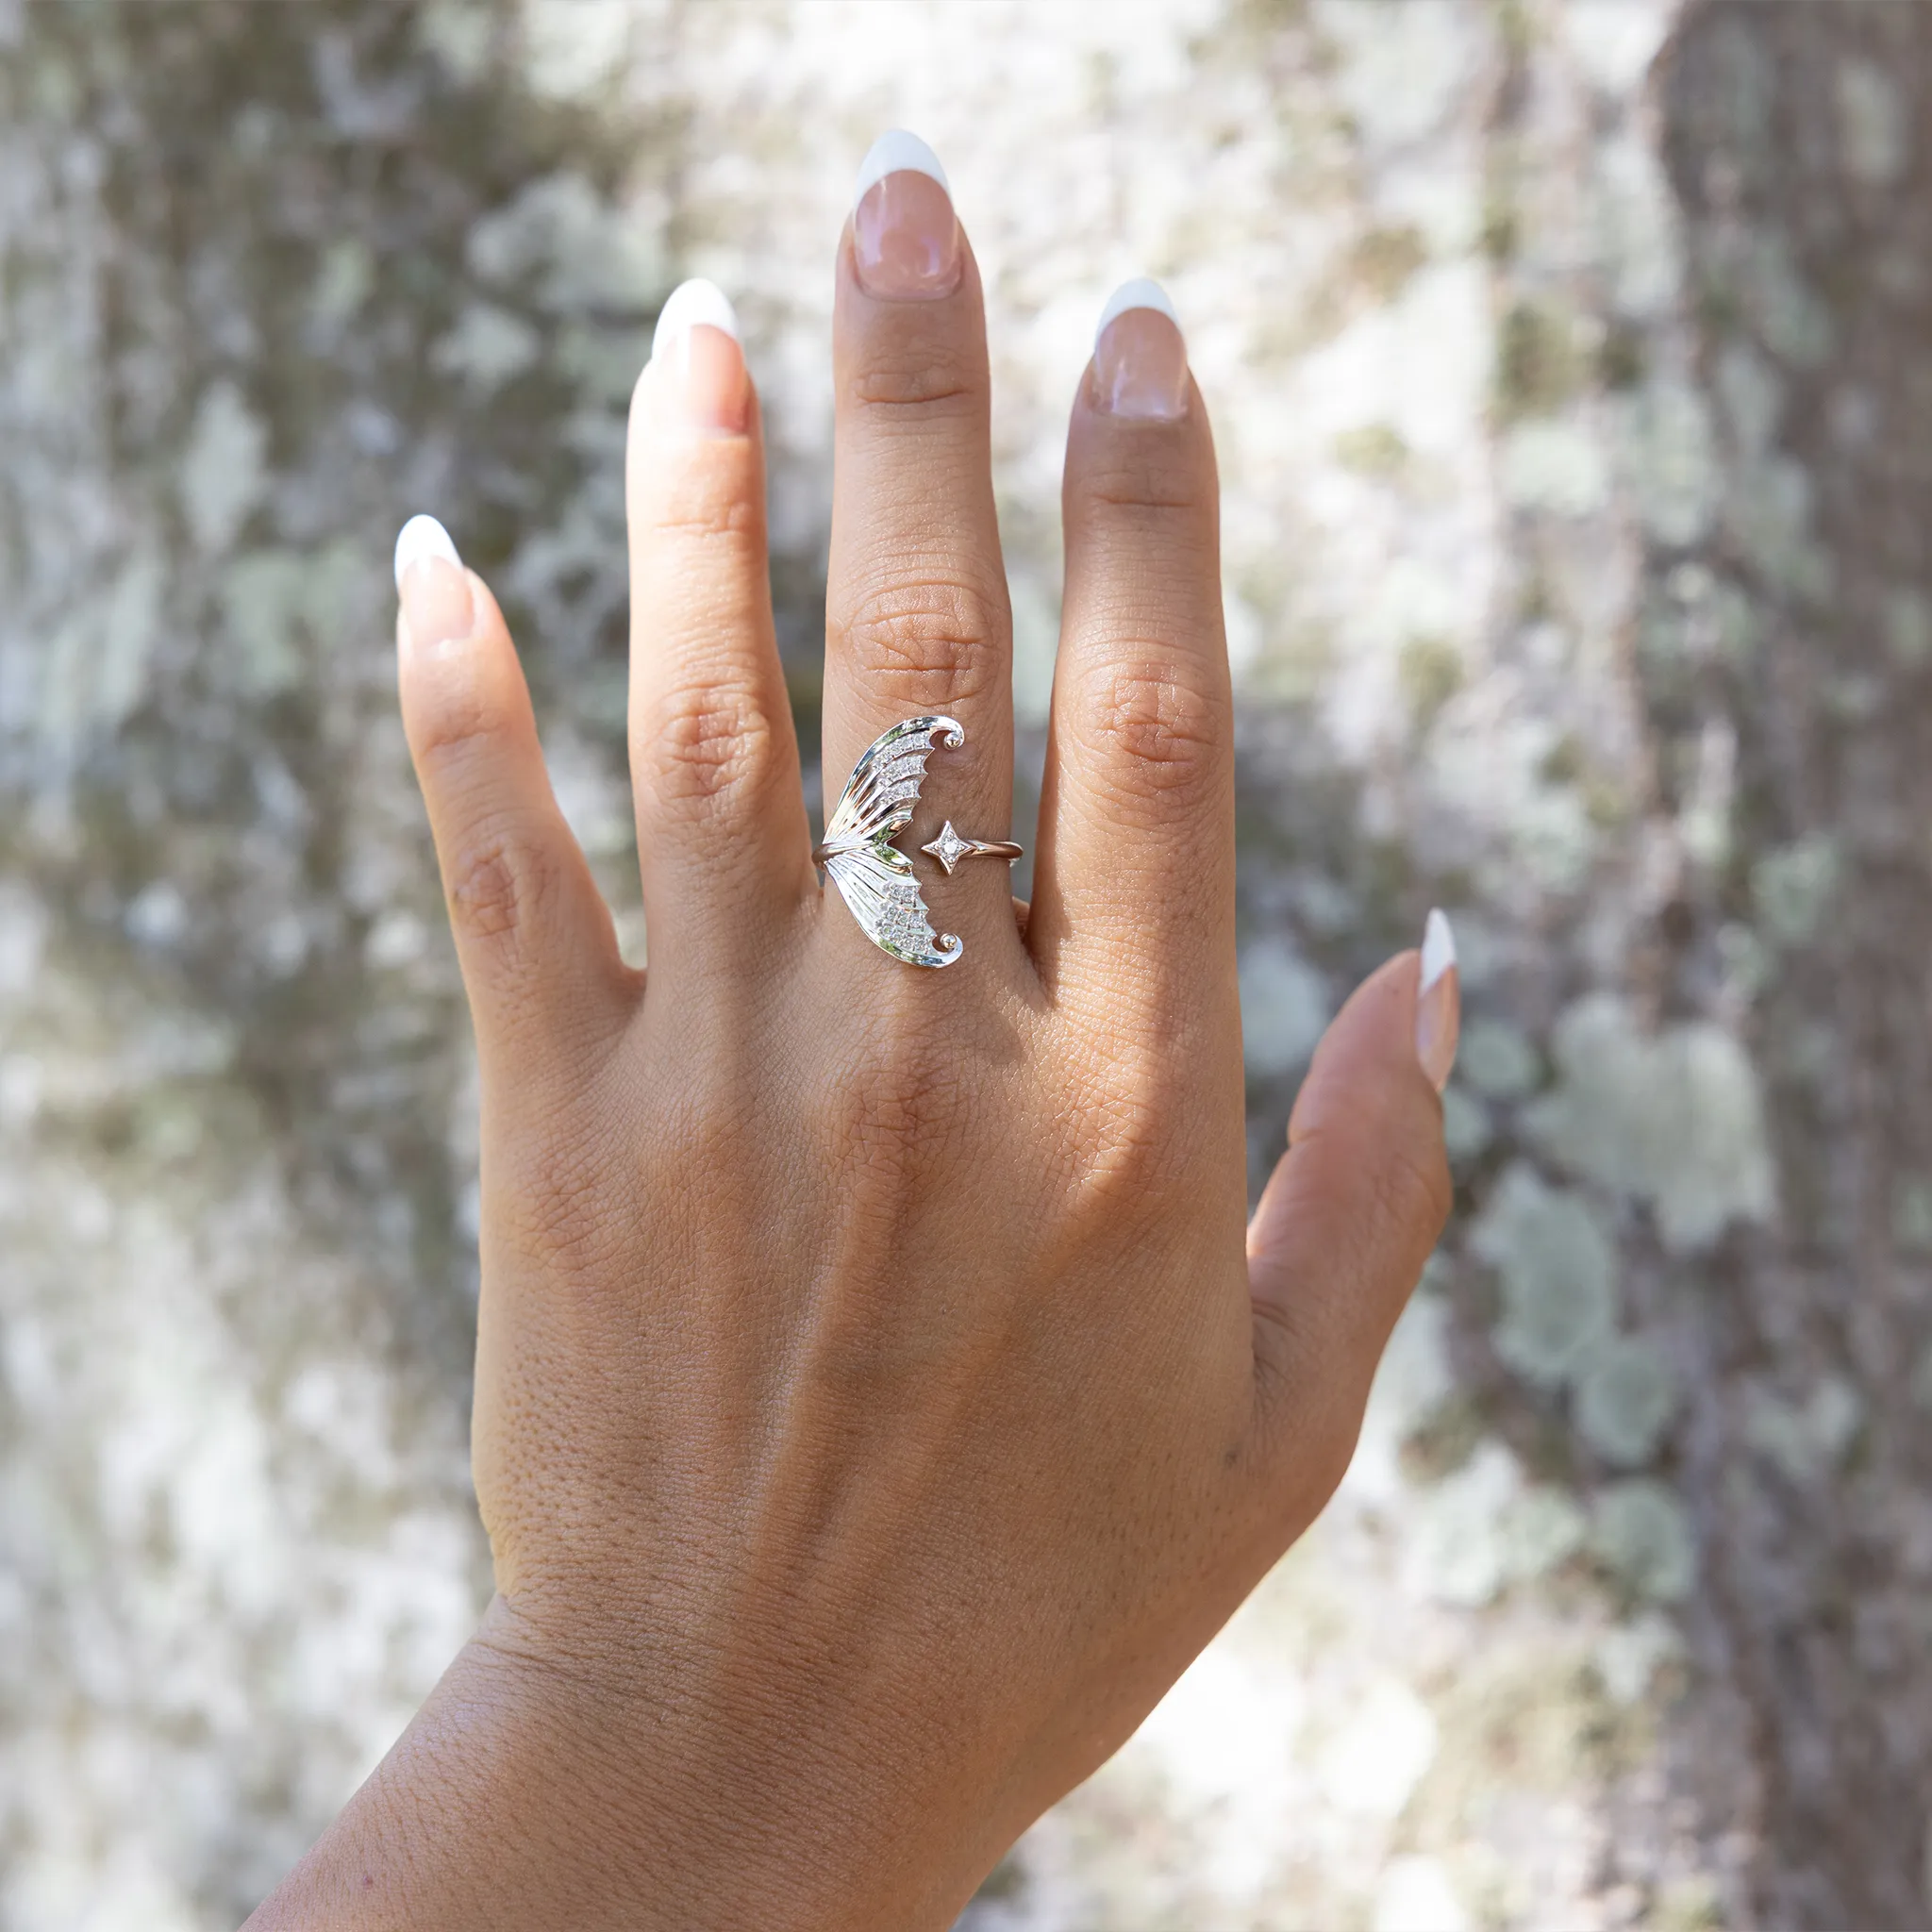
pixel 547 989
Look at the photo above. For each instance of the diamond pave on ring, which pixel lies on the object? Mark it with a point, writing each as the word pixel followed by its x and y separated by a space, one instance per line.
pixel 874 878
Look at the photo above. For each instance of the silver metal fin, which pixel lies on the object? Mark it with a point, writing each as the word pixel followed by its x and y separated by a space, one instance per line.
pixel 873 876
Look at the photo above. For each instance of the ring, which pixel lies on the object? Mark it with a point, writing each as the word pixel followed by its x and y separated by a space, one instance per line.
pixel 874 878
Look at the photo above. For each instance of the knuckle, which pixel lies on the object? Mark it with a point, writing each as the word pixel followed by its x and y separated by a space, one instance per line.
pixel 706 744
pixel 713 516
pixel 1153 733
pixel 499 885
pixel 1315 1409
pixel 455 734
pixel 1139 1149
pixel 708 504
pixel 556 1194
pixel 1411 1185
pixel 1137 473
pixel 703 486
pixel 930 642
pixel 1316 1459
pixel 920 378
pixel 1403 1185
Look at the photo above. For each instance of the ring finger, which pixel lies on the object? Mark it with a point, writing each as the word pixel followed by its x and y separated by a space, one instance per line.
pixel 1133 904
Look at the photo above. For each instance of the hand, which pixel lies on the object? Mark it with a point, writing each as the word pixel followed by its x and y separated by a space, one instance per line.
pixel 877 1405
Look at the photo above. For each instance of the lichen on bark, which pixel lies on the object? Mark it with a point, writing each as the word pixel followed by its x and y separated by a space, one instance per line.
pixel 1569 412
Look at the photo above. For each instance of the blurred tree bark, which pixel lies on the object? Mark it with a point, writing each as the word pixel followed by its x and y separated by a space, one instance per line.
pixel 1796 137
pixel 271 277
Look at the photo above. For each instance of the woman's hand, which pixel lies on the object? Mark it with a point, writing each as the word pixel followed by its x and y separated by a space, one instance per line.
pixel 877 1405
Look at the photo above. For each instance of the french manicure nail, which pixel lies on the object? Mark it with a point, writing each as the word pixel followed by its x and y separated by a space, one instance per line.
pixel 434 587
pixel 905 235
pixel 1139 357
pixel 696 345
pixel 1438 1001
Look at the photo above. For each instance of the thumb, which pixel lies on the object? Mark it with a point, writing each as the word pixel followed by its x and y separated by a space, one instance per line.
pixel 1358 1200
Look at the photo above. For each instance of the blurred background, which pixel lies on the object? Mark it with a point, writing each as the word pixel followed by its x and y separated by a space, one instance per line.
pixel 1569 367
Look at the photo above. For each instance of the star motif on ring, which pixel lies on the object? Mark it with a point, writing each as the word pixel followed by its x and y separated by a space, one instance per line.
pixel 948 848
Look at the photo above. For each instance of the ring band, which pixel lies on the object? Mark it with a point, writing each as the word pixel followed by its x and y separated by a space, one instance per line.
pixel 949 848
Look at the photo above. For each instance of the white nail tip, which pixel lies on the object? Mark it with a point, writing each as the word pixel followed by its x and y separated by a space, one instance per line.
pixel 422 536
pixel 690 306
pixel 1438 950
pixel 895 152
pixel 1143 292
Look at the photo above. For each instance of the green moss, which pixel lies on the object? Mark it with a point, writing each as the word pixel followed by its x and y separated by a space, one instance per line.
pixel 1375 449
pixel 1808 1437
pixel 1792 887
pixel 1669 456
pixel 1874 119
pixel 1497 1060
pixel 1385 259
pixel 1620 357
pixel 1542 1531
pixel 1431 673
pixel 223 474
pixel 1538 368
pixel 1770 514
pixel 1456 1553
pixel 1689 1905
pixel 1443 1441
pixel 1911 1216
pixel 458 34
pixel 1285 1006
pixel 1745 961
pixel 1516 28
pixel 1752 393
pixel 1501 230
pixel 1674 1120
pixel 1467 1130
pixel 1555 466
pixel 1628 1655
pixel 1299 662
pixel 570 247
pixel 1557 1270
pixel 488 347
pixel 1624 1401
pixel 1642 1534
pixel 1788 316
pixel 1564 763
pixel 280 606
pixel 1908 626
pixel 342 283
pixel 1922 1379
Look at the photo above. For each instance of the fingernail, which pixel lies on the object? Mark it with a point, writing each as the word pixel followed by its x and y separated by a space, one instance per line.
pixel 433 585
pixel 1438 1001
pixel 1140 358
pixel 905 236
pixel 696 345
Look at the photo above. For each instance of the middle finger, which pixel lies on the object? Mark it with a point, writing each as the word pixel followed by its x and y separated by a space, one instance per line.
pixel 917 621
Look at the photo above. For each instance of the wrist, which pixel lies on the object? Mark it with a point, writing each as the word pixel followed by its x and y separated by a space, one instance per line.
pixel 536 1790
